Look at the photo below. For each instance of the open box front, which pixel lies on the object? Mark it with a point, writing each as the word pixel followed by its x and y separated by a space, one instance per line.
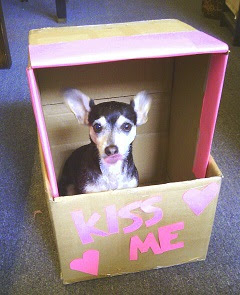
pixel 168 219
pixel 165 146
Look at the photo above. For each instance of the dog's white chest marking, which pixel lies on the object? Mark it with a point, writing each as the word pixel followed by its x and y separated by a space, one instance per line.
pixel 112 178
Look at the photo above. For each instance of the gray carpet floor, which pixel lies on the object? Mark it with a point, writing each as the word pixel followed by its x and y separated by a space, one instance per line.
pixel 28 261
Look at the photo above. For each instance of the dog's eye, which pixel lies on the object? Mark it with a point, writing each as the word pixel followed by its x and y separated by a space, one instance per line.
pixel 97 128
pixel 126 127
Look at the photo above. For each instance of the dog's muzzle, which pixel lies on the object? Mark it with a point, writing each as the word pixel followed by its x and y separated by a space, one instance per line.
pixel 112 154
pixel 111 150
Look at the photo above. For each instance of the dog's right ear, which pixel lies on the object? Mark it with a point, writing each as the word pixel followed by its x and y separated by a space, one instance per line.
pixel 141 104
pixel 79 103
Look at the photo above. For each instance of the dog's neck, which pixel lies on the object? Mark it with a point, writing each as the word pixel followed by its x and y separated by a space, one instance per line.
pixel 122 174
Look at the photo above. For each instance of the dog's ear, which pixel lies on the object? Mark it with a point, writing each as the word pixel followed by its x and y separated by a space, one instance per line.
pixel 79 103
pixel 141 104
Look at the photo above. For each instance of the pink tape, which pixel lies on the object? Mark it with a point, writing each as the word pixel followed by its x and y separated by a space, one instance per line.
pixel 123 48
pixel 37 108
pixel 210 107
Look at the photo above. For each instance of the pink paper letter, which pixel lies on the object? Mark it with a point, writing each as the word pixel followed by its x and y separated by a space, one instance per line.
pixel 136 244
pixel 112 219
pixel 165 236
pixel 86 229
pixel 147 207
pixel 125 212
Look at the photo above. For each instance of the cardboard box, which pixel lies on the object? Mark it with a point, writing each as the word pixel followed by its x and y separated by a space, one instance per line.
pixel 168 219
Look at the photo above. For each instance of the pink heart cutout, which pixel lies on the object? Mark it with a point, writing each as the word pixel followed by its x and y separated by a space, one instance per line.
pixel 198 200
pixel 88 263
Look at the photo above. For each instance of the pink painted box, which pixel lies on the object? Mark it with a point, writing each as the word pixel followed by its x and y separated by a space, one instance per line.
pixel 168 219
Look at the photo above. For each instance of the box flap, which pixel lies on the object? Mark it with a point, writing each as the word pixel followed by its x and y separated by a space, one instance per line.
pixel 74 33
pixel 132 41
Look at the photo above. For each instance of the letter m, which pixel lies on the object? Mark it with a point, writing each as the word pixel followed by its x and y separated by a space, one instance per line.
pixel 136 244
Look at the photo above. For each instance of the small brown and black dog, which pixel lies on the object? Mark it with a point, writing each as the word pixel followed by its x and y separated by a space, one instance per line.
pixel 106 163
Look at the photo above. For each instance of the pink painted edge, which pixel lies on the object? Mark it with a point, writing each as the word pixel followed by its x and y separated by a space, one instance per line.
pixel 124 48
pixel 209 113
pixel 37 108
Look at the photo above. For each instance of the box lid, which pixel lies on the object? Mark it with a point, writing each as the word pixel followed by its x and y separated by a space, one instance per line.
pixel 53 47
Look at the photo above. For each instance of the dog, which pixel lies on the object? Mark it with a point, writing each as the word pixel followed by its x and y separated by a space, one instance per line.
pixel 106 163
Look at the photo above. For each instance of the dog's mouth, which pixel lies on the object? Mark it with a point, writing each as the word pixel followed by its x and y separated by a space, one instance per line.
pixel 113 159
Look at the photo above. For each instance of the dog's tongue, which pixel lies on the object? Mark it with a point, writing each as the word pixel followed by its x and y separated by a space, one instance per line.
pixel 113 159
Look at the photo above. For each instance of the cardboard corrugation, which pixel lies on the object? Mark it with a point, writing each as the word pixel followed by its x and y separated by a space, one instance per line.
pixel 164 151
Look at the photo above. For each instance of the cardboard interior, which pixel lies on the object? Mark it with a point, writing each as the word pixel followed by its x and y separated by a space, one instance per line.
pixel 176 98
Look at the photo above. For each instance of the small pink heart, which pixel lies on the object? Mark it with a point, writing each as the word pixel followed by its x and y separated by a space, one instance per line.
pixel 198 200
pixel 88 263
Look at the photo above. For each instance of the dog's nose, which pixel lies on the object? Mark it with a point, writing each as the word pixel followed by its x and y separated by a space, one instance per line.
pixel 111 150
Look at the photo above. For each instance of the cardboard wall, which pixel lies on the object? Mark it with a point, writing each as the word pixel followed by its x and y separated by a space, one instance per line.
pixel 190 74
pixel 189 243
pixel 115 248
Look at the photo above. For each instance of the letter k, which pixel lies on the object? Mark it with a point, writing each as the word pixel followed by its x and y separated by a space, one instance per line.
pixel 86 229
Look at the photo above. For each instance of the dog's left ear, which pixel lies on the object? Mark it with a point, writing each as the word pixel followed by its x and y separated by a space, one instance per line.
pixel 141 104
pixel 79 103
